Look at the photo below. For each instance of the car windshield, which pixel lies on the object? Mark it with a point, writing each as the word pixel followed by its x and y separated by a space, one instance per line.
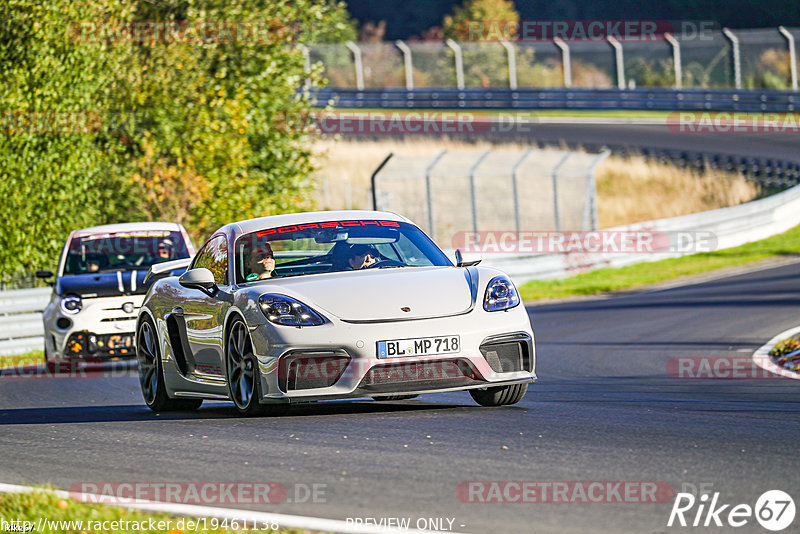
pixel 123 251
pixel 333 246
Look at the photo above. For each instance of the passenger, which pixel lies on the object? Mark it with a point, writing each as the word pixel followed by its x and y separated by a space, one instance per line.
pixel 362 257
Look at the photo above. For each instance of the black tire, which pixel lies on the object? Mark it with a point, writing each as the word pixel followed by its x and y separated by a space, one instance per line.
pixel 499 395
pixel 49 366
pixel 151 373
pixel 395 397
pixel 241 371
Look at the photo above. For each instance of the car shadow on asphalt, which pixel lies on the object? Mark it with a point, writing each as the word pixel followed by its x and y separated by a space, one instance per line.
pixel 123 413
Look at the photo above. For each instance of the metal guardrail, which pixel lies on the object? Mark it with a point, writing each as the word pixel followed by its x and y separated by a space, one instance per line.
pixel 21 328
pixel 731 227
pixel 560 98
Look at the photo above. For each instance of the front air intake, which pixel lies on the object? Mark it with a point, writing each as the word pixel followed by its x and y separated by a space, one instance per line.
pixel 305 370
pixel 509 353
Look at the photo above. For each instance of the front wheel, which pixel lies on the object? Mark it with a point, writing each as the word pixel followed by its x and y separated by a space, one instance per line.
pixel 499 395
pixel 151 373
pixel 244 380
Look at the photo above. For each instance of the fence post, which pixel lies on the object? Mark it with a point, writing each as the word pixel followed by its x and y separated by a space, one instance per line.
pixel 618 60
pixel 456 48
pixel 566 62
pixel 428 198
pixel 515 189
pixel 374 177
pixel 407 62
pixel 512 64
pixel 792 55
pixel 676 59
pixel 357 62
pixel 737 58
pixel 590 205
pixel 554 176
pixel 472 200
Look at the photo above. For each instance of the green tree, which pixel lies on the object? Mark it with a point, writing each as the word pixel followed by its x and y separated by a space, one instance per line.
pixel 202 130
pixel 485 20
pixel 54 175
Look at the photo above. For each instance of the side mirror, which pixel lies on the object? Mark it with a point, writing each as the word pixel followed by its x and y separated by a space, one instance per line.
pixel 44 274
pixel 200 278
pixel 467 260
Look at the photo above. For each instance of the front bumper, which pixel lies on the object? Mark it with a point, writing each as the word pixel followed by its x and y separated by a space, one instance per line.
pixel 102 330
pixel 340 359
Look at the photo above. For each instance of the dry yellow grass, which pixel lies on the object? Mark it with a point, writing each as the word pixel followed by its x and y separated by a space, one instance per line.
pixel 629 189
pixel 635 189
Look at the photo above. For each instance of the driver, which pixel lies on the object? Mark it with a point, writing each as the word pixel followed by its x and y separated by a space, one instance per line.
pixel 261 263
pixel 362 257
pixel 164 249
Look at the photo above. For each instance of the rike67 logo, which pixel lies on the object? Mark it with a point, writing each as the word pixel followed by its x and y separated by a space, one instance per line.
pixel 774 510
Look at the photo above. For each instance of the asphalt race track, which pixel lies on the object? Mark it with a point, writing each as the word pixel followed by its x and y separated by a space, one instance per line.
pixel 632 135
pixel 605 409
pixel 617 133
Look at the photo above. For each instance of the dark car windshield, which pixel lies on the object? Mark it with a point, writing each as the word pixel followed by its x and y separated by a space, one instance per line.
pixel 123 251
pixel 333 246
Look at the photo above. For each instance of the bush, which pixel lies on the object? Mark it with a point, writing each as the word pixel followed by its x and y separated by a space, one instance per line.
pixel 179 131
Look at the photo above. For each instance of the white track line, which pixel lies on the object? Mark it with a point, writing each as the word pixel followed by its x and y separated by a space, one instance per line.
pixel 285 521
pixel 762 359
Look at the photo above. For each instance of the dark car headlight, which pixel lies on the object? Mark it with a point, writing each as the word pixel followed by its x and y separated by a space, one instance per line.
pixel 71 304
pixel 500 294
pixel 283 310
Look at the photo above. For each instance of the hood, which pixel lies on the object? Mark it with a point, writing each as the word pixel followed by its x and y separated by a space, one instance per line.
pixel 105 284
pixel 380 294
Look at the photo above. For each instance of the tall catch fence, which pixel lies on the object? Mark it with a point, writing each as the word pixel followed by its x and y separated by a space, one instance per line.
pixel 454 192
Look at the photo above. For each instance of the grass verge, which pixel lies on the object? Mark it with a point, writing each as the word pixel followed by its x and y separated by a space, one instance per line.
pixel 614 279
pixel 70 516
pixel 36 356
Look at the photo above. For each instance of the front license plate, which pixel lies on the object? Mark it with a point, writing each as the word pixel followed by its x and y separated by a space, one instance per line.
pixel 421 346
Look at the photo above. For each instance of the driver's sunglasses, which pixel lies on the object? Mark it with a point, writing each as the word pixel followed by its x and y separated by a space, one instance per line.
pixel 164 247
pixel 263 255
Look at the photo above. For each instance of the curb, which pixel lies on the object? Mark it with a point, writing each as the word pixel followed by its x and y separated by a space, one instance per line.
pixel 190 510
pixel 762 359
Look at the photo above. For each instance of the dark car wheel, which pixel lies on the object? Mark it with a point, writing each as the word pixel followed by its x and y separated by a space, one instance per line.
pixel 499 395
pixel 241 365
pixel 151 373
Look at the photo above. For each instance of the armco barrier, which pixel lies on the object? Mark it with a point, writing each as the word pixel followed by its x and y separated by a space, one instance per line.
pixel 656 99
pixel 21 328
pixel 732 226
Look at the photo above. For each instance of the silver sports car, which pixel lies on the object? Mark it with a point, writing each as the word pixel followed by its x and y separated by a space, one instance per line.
pixel 329 305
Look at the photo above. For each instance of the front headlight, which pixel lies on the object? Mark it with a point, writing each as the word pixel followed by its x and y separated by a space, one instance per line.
pixel 500 294
pixel 283 310
pixel 71 304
